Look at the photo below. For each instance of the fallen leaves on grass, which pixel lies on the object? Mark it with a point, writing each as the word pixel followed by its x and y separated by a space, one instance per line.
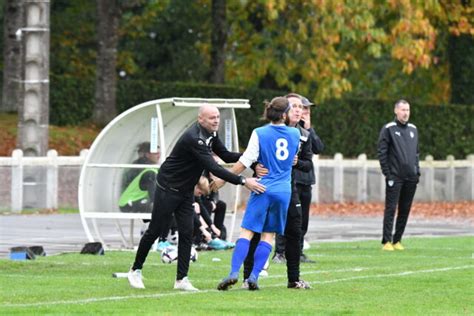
pixel 66 140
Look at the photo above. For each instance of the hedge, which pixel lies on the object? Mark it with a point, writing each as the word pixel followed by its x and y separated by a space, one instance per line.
pixel 72 100
pixel 461 61
pixel 348 126
pixel 352 127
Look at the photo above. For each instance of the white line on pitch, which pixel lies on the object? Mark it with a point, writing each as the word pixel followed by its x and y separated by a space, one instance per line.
pixel 120 298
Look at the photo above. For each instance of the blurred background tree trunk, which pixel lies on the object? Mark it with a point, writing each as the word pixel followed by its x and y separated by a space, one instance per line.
pixel 108 14
pixel 218 41
pixel 13 20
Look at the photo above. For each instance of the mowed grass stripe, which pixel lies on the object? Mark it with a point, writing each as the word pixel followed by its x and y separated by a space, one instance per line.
pixel 424 279
pixel 175 293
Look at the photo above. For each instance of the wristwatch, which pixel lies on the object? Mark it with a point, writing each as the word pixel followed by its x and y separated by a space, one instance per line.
pixel 243 181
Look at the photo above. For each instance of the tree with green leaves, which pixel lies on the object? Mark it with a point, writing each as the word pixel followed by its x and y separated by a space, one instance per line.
pixel 316 47
pixel 324 49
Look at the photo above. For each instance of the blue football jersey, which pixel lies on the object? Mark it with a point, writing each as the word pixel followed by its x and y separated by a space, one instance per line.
pixel 278 144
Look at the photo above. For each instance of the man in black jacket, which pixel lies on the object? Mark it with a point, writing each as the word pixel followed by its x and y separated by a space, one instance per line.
pixel 303 179
pixel 290 243
pixel 174 193
pixel 399 159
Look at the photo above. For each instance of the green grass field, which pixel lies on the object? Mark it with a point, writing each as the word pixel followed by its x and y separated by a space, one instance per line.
pixel 434 276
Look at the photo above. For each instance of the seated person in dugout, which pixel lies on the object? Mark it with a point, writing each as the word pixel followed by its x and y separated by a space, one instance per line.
pixel 218 207
pixel 215 205
pixel 206 234
pixel 139 187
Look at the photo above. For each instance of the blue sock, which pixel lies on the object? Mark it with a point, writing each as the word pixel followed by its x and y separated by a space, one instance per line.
pixel 238 257
pixel 260 258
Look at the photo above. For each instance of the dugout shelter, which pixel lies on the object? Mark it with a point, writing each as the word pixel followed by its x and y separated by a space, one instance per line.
pixel 161 122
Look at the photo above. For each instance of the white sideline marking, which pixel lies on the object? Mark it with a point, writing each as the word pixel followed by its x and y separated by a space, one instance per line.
pixel 377 276
pixel 120 298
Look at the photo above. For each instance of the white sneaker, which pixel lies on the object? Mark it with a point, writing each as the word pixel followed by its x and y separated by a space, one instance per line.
pixel 267 264
pixel 264 272
pixel 173 238
pixel 306 245
pixel 135 279
pixel 184 285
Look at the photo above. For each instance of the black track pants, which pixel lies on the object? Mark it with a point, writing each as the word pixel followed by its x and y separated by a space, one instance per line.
pixel 305 196
pixel 166 203
pixel 401 194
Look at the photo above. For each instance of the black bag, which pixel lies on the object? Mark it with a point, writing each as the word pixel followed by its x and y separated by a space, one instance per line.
pixel 93 248
pixel 37 250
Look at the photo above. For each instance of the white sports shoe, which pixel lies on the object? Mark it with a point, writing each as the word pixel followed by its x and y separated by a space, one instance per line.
pixel 184 285
pixel 135 279
pixel 306 245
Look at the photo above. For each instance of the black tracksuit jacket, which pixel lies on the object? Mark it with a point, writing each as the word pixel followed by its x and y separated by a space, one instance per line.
pixel 191 155
pixel 305 177
pixel 398 152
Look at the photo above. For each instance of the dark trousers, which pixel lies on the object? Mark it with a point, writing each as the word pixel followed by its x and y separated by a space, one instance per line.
pixel 304 196
pixel 219 216
pixel 140 206
pixel 143 206
pixel 401 194
pixel 198 237
pixel 166 203
pixel 292 238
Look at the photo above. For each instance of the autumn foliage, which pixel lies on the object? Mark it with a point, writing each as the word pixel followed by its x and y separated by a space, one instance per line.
pixel 66 140
pixel 462 210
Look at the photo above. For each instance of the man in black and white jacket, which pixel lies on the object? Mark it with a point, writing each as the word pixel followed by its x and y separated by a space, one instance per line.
pixel 398 155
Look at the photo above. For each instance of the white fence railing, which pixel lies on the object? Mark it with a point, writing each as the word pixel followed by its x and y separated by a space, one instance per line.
pixel 39 182
pixel 361 180
pixel 51 181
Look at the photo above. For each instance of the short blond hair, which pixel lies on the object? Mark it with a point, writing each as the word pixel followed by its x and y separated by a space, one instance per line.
pixel 203 185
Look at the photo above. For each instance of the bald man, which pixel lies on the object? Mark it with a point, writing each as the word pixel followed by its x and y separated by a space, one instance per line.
pixel 174 192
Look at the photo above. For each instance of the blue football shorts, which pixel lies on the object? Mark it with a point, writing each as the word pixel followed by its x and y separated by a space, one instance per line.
pixel 266 212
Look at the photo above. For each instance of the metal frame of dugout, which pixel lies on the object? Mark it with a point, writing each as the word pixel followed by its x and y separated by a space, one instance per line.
pixel 161 122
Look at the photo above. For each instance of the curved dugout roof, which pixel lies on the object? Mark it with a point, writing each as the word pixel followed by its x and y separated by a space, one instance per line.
pixel 161 122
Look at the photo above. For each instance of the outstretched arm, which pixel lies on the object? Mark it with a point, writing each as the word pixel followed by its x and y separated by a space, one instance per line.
pixel 249 156
pixel 250 183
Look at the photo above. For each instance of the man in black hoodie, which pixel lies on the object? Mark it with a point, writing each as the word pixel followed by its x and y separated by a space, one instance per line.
pixel 399 159
pixel 191 155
